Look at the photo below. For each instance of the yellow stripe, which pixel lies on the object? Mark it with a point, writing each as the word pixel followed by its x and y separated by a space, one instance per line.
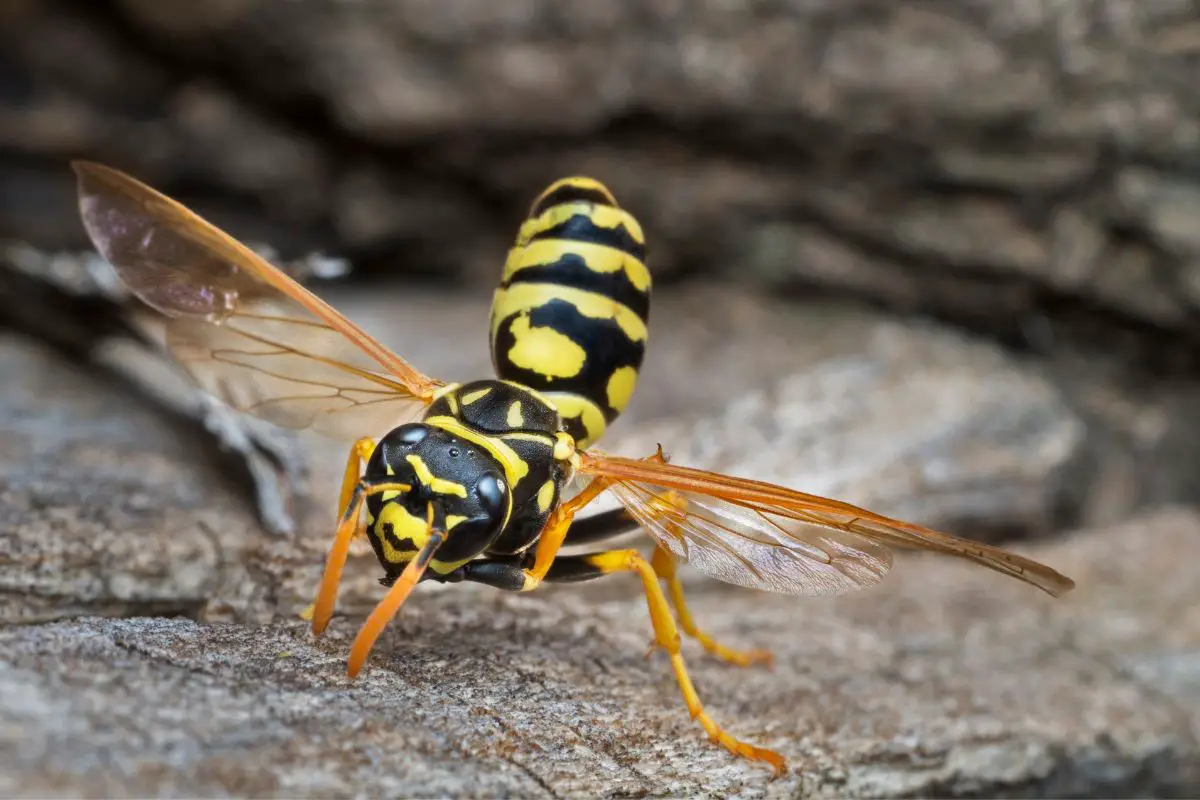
pixel 439 485
pixel 528 436
pixel 534 393
pixel 601 217
pixel 545 496
pixel 598 258
pixel 528 296
pixel 579 182
pixel 475 396
pixel 571 405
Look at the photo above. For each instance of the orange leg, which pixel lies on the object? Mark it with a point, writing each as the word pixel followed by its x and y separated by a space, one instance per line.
pixel 665 567
pixel 348 528
pixel 551 539
pixel 555 531
pixel 667 636
pixel 360 451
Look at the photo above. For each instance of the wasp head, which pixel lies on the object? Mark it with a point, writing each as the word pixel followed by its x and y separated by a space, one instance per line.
pixel 459 493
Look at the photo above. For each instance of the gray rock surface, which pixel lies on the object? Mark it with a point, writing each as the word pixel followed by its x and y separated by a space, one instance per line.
pixel 944 681
pixel 1009 165
pixel 149 640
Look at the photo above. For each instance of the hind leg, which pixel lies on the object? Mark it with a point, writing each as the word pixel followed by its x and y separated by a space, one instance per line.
pixel 664 565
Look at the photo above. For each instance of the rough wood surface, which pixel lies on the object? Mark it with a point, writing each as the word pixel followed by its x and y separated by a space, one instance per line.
pixel 149 642
pixel 942 682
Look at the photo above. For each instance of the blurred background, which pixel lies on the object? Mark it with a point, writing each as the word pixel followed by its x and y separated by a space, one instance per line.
pixel 1022 174
pixel 939 259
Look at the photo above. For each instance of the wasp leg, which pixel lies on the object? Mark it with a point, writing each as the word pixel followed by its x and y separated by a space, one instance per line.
pixel 555 532
pixel 360 451
pixel 348 527
pixel 588 567
pixel 664 565
pixel 612 523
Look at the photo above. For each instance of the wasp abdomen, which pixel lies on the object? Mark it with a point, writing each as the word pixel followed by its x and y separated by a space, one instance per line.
pixel 570 316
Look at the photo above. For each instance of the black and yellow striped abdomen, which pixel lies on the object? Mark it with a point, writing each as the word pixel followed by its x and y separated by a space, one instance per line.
pixel 570 316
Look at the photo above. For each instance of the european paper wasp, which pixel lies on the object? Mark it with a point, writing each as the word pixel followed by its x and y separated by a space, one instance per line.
pixel 468 480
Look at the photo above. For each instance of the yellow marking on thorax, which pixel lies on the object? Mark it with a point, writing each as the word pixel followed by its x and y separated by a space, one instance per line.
pixel 449 392
pixel 439 485
pixel 528 296
pixel 545 496
pixel 529 436
pixel 544 350
pixel 564 446
pixel 571 405
pixel 529 390
pixel 515 418
pixel 620 387
pixel 475 396
pixel 598 258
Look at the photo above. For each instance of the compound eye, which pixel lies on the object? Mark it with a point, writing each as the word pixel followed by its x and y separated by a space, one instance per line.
pixel 492 492
pixel 410 434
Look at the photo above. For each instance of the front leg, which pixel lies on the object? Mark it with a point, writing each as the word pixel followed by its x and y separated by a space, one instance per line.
pixel 555 532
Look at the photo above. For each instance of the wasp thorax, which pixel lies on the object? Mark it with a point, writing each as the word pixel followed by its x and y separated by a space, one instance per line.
pixel 460 483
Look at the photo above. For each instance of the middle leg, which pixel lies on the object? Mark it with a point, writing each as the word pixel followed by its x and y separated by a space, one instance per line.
pixel 615 522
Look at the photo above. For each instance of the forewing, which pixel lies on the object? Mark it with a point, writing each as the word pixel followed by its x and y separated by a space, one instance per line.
pixel 751 547
pixel 245 331
pixel 762 518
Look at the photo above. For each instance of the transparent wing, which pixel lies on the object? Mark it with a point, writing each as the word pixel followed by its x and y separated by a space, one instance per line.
pixel 244 330
pixel 764 536
pixel 753 548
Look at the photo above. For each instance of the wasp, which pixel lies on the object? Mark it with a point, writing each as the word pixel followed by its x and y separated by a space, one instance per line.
pixel 469 481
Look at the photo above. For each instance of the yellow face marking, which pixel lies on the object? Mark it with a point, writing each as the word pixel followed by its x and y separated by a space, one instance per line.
pixel 545 496
pixel 620 387
pixel 544 350
pixel 527 296
pixel 598 258
pixel 475 396
pixel 453 520
pixel 515 419
pixel 439 485
pixel 588 413
pixel 390 494
pixel 514 467
pixel 404 526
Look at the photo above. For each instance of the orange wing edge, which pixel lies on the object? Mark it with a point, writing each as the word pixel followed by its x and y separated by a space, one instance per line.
pixel 824 512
